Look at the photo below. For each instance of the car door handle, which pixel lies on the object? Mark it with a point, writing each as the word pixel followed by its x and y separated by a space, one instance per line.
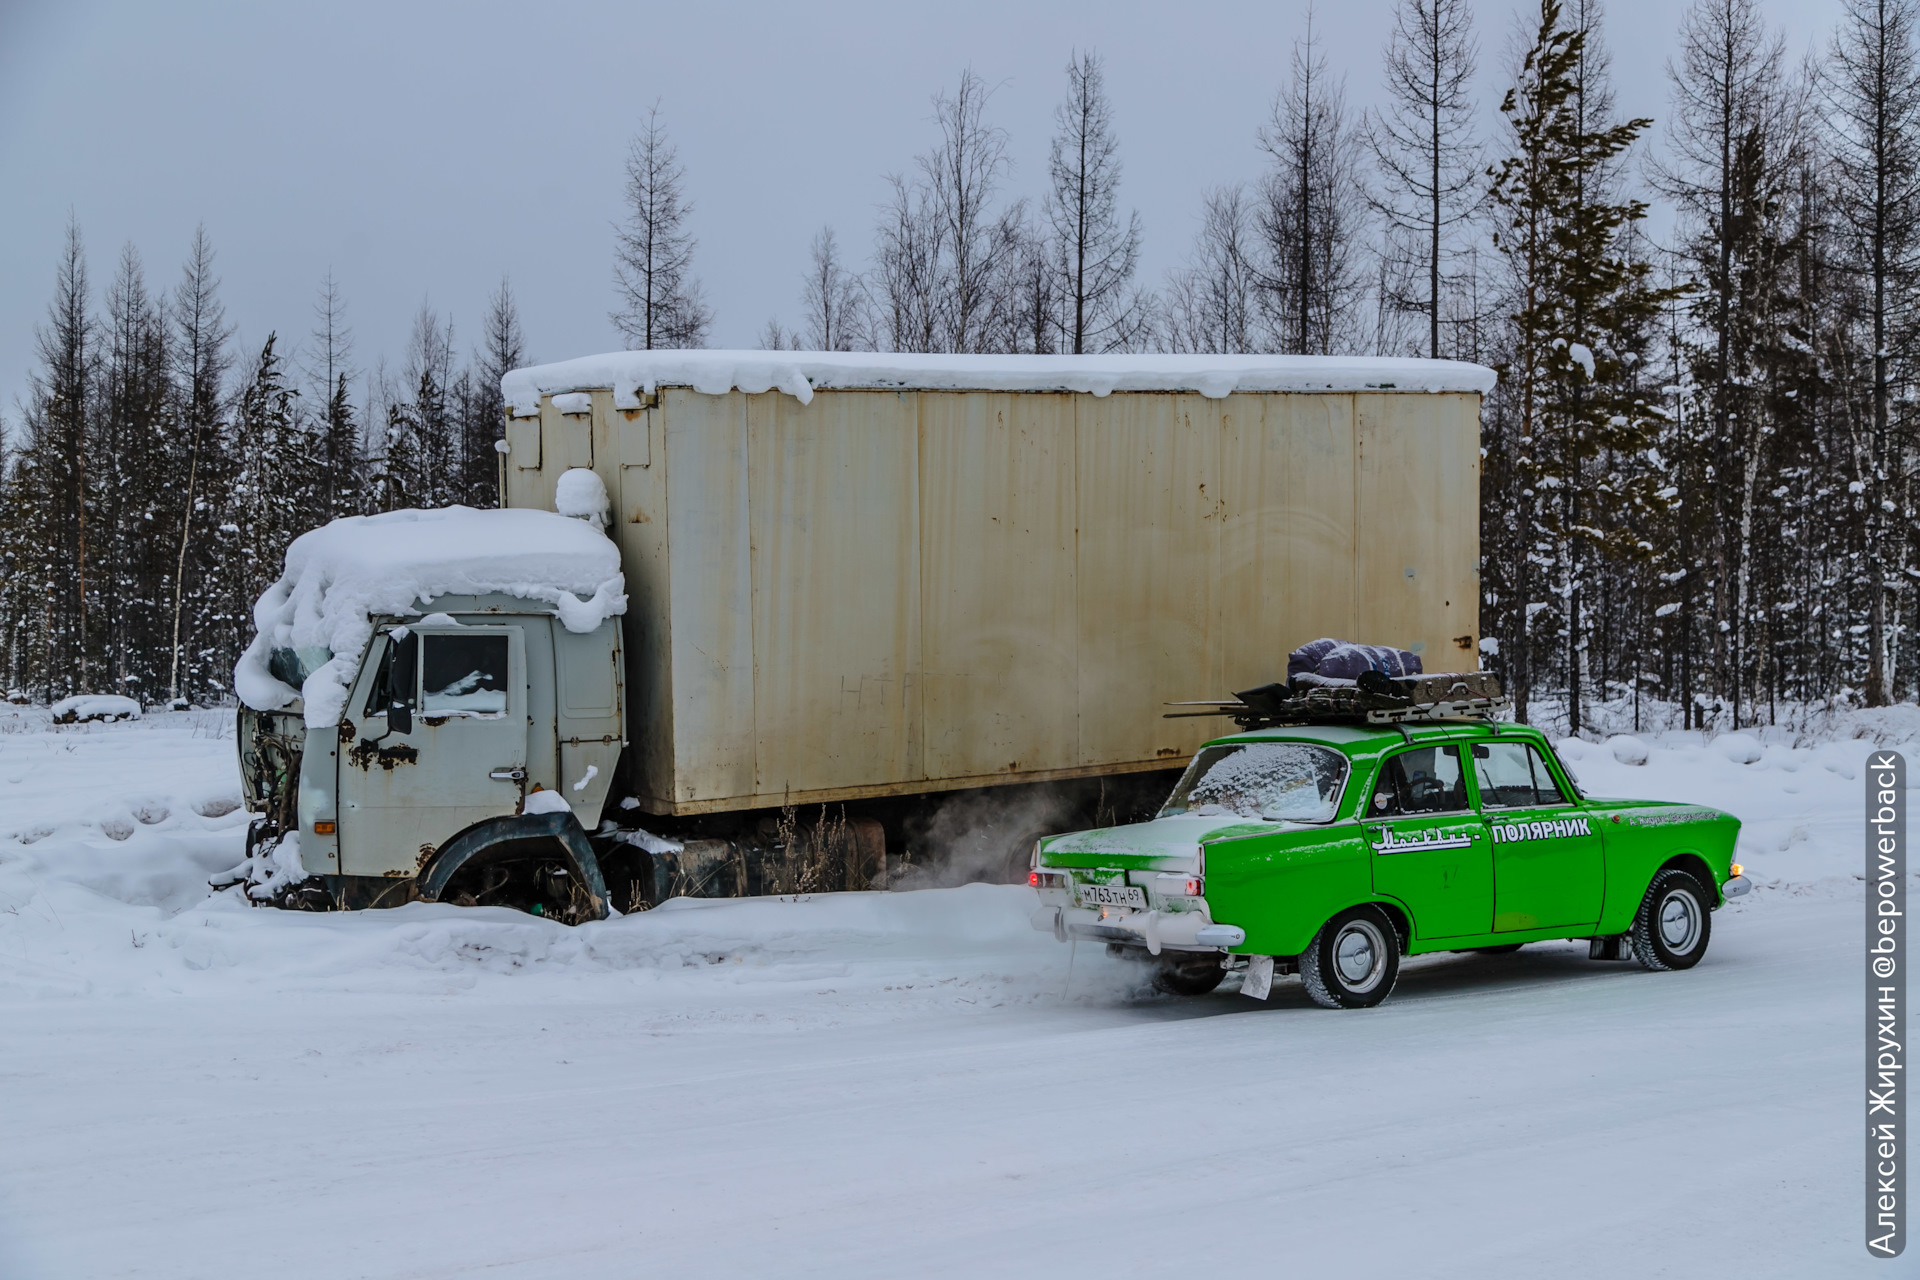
pixel 508 775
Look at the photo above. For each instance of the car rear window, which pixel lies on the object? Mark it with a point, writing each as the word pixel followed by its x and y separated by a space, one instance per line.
pixel 1267 781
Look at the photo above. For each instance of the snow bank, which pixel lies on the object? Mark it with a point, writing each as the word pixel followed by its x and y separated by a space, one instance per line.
pixel 630 373
pixel 341 574
pixel 95 706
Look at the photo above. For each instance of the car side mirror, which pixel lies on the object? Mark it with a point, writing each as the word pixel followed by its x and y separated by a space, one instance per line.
pixel 406 650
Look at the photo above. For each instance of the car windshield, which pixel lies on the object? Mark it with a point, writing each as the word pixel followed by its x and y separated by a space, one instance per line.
pixel 1269 781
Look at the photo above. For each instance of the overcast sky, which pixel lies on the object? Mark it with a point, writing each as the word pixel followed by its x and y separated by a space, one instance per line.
pixel 423 151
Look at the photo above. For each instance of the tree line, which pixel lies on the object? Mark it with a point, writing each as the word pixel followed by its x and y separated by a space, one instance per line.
pixel 157 472
pixel 1697 467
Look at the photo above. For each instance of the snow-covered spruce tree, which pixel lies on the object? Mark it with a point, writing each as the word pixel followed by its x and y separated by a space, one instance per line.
pixel 1425 147
pixel 1871 88
pixel 1583 306
pixel 337 433
pixel 51 553
pixel 1734 142
pixel 1312 210
pixel 1211 303
pixel 833 299
pixel 201 361
pixel 660 302
pixel 273 496
pixel 1094 254
pixel 136 405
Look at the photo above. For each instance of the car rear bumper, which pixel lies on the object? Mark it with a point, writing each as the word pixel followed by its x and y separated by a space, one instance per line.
pixel 1735 887
pixel 1156 930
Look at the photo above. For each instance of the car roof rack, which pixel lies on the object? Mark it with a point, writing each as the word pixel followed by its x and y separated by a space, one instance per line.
pixel 1374 699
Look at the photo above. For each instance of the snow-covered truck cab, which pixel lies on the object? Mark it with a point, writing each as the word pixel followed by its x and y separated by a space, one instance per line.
pixel 432 708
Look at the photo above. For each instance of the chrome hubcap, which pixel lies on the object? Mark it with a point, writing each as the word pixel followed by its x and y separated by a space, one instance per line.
pixel 1679 921
pixel 1360 955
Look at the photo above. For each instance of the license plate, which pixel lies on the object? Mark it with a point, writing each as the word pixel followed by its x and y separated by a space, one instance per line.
pixel 1113 895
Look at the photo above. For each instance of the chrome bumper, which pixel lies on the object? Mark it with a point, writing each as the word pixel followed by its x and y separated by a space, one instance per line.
pixel 1735 887
pixel 1156 930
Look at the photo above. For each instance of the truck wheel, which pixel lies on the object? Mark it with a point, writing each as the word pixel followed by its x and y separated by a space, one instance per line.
pixel 1187 975
pixel 1673 924
pixel 1353 961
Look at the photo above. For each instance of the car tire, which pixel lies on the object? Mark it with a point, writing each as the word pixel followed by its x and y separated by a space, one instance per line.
pixel 1674 922
pixel 1187 975
pixel 1353 961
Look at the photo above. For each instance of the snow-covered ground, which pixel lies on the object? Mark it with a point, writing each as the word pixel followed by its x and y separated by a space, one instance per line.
pixel 913 1084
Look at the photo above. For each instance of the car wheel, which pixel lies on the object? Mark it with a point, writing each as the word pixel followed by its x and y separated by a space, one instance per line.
pixel 1673 924
pixel 1187 975
pixel 1353 961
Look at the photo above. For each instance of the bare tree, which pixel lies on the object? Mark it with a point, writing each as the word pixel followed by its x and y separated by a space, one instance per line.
pixel 834 300
pixel 1873 100
pixel 1096 255
pixel 1312 209
pixel 1424 143
pixel 943 253
pixel 1211 302
pixel 660 302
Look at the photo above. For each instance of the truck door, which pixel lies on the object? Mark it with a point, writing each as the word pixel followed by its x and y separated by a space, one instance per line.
pixel 406 789
pixel 1549 867
pixel 1429 848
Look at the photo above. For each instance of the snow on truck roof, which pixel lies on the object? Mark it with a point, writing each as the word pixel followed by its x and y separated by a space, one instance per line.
pixel 628 374
pixel 341 575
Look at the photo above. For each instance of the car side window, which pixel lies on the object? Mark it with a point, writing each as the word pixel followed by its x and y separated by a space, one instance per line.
pixel 1422 780
pixel 1512 776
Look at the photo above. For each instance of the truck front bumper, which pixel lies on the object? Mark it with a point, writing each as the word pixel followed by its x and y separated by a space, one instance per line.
pixel 1156 930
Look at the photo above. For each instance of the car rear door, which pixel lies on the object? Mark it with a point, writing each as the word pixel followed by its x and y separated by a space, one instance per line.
pixel 1549 863
pixel 1428 848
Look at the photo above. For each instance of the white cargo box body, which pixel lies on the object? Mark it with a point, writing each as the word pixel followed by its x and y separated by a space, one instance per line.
pixel 883 580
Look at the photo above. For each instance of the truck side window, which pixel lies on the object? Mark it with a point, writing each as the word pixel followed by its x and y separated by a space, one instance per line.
pixel 463 674
pixel 1512 775
pixel 1423 780
pixel 380 695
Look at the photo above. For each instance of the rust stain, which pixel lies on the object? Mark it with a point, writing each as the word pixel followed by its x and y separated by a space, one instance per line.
pixel 367 754
pixel 346 731
pixel 1464 642
pixel 1168 751
pixel 426 853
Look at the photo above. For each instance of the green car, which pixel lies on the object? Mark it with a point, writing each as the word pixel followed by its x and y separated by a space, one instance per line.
pixel 1332 850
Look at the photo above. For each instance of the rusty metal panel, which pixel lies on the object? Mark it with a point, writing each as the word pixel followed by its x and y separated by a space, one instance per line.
pixel 1417 505
pixel 709 595
pixel 835 521
pixel 998 603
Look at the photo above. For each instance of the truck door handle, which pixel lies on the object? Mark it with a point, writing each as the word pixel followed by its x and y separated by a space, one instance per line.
pixel 508 775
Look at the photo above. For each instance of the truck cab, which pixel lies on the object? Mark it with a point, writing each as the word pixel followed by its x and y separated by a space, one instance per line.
pixel 461 750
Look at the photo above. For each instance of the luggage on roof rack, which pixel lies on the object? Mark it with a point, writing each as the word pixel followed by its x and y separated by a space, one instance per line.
pixel 1374 698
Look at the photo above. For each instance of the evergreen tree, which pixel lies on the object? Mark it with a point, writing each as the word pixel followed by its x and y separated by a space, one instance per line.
pixel 1583 310
pixel 200 369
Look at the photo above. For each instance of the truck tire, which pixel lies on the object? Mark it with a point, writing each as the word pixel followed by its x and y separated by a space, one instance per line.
pixel 1673 924
pixel 1187 975
pixel 1353 961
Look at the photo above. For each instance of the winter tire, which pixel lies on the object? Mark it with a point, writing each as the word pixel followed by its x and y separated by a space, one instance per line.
pixel 1673 924
pixel 1187 975
pixel 1353 961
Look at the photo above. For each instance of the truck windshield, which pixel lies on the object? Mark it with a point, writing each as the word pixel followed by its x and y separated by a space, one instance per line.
pixel 1269 781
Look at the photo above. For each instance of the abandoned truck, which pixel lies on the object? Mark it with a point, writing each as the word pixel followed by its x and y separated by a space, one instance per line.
pixel 761 622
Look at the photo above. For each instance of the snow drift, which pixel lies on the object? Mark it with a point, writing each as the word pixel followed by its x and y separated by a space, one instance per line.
pixel 799 373
pixel 340 575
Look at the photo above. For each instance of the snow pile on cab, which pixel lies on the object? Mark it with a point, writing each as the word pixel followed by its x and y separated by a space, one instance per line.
pixel 341 574
pixel 629 374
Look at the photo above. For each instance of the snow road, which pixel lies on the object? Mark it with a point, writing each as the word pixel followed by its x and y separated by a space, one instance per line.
pixel 886 1085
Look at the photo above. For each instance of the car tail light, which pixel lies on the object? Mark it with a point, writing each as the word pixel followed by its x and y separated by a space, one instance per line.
pixel 1735 869
pixel 1033 879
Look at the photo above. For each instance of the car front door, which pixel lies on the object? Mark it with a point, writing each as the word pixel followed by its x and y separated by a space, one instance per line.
pixel 1429 849
pixel 405 789
pixel 1549 864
